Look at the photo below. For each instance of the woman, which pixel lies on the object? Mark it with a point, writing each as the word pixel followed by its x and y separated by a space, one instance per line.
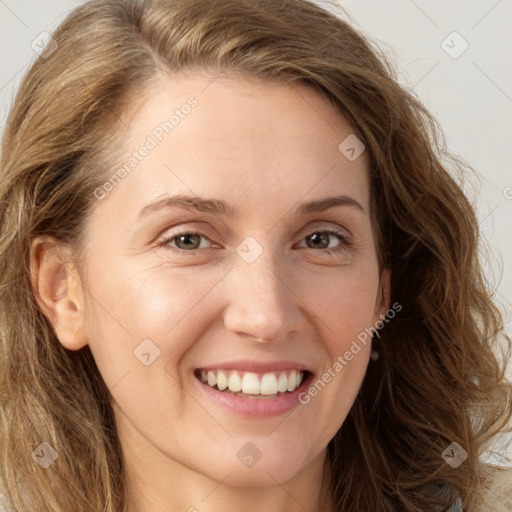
pixel 254 370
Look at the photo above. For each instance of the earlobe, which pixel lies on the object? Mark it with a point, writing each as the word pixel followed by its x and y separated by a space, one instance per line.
pixel 385 291
pixel 58 290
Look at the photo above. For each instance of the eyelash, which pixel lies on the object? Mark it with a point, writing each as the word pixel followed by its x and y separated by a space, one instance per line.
pixel 345 242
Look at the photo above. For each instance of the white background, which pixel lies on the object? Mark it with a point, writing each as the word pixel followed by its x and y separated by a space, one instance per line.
pixel 470 95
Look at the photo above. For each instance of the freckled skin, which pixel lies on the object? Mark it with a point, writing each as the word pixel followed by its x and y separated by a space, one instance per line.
pixel 264 149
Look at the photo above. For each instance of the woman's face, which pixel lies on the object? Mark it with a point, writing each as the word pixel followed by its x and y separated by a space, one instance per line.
pixel 247 289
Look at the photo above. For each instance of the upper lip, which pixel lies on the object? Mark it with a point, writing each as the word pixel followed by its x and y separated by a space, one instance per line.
pixel 256 366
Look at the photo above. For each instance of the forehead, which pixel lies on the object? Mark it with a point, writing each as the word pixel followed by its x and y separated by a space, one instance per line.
pixel 236 136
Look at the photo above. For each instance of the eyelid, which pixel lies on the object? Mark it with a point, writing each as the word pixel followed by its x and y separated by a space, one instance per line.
pixel 322 225
pixel 345 238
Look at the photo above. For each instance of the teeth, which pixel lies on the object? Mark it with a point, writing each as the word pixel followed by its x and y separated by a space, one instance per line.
pixel 292 381
pixel 268 384
pixel 222 381
pixel 282 383
pixel 250 383
pixel 234 382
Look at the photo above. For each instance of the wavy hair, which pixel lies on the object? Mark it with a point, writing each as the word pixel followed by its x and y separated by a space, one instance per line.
pixel 439 378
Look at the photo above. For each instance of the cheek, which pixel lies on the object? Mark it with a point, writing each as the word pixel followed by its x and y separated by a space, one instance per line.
pixel 346 312
pixel 333 391
pixel 129 304
pixel 345 306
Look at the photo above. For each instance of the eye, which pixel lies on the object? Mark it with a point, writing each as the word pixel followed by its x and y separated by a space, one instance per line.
pixel 314 241
pixel 190 241
pixel 187 241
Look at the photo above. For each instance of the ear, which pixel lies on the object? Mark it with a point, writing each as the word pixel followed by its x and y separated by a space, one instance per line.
pixel 383 302
pixel 58 290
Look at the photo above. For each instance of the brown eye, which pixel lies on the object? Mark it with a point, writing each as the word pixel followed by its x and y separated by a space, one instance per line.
pixel 321 240
pixel 185 241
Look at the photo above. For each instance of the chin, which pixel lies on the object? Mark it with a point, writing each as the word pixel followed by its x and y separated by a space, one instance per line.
pixel 261 463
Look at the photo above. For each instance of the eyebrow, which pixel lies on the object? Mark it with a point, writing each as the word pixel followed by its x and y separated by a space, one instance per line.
pixel 220 207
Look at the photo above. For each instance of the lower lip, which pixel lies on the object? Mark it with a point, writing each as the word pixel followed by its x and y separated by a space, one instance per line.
pixel 255 407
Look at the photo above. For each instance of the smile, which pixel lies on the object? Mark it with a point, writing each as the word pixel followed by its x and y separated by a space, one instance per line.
pixel 254 389
pixel 251 384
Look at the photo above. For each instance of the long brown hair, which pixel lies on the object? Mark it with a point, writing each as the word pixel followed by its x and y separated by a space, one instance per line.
pixel 438 379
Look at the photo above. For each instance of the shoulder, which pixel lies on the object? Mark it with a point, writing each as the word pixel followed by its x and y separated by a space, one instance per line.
pixel 457 507
pixel 4 503
pixel 496 491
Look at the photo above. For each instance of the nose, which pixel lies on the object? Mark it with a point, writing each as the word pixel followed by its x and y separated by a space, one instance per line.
pixel 262 303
